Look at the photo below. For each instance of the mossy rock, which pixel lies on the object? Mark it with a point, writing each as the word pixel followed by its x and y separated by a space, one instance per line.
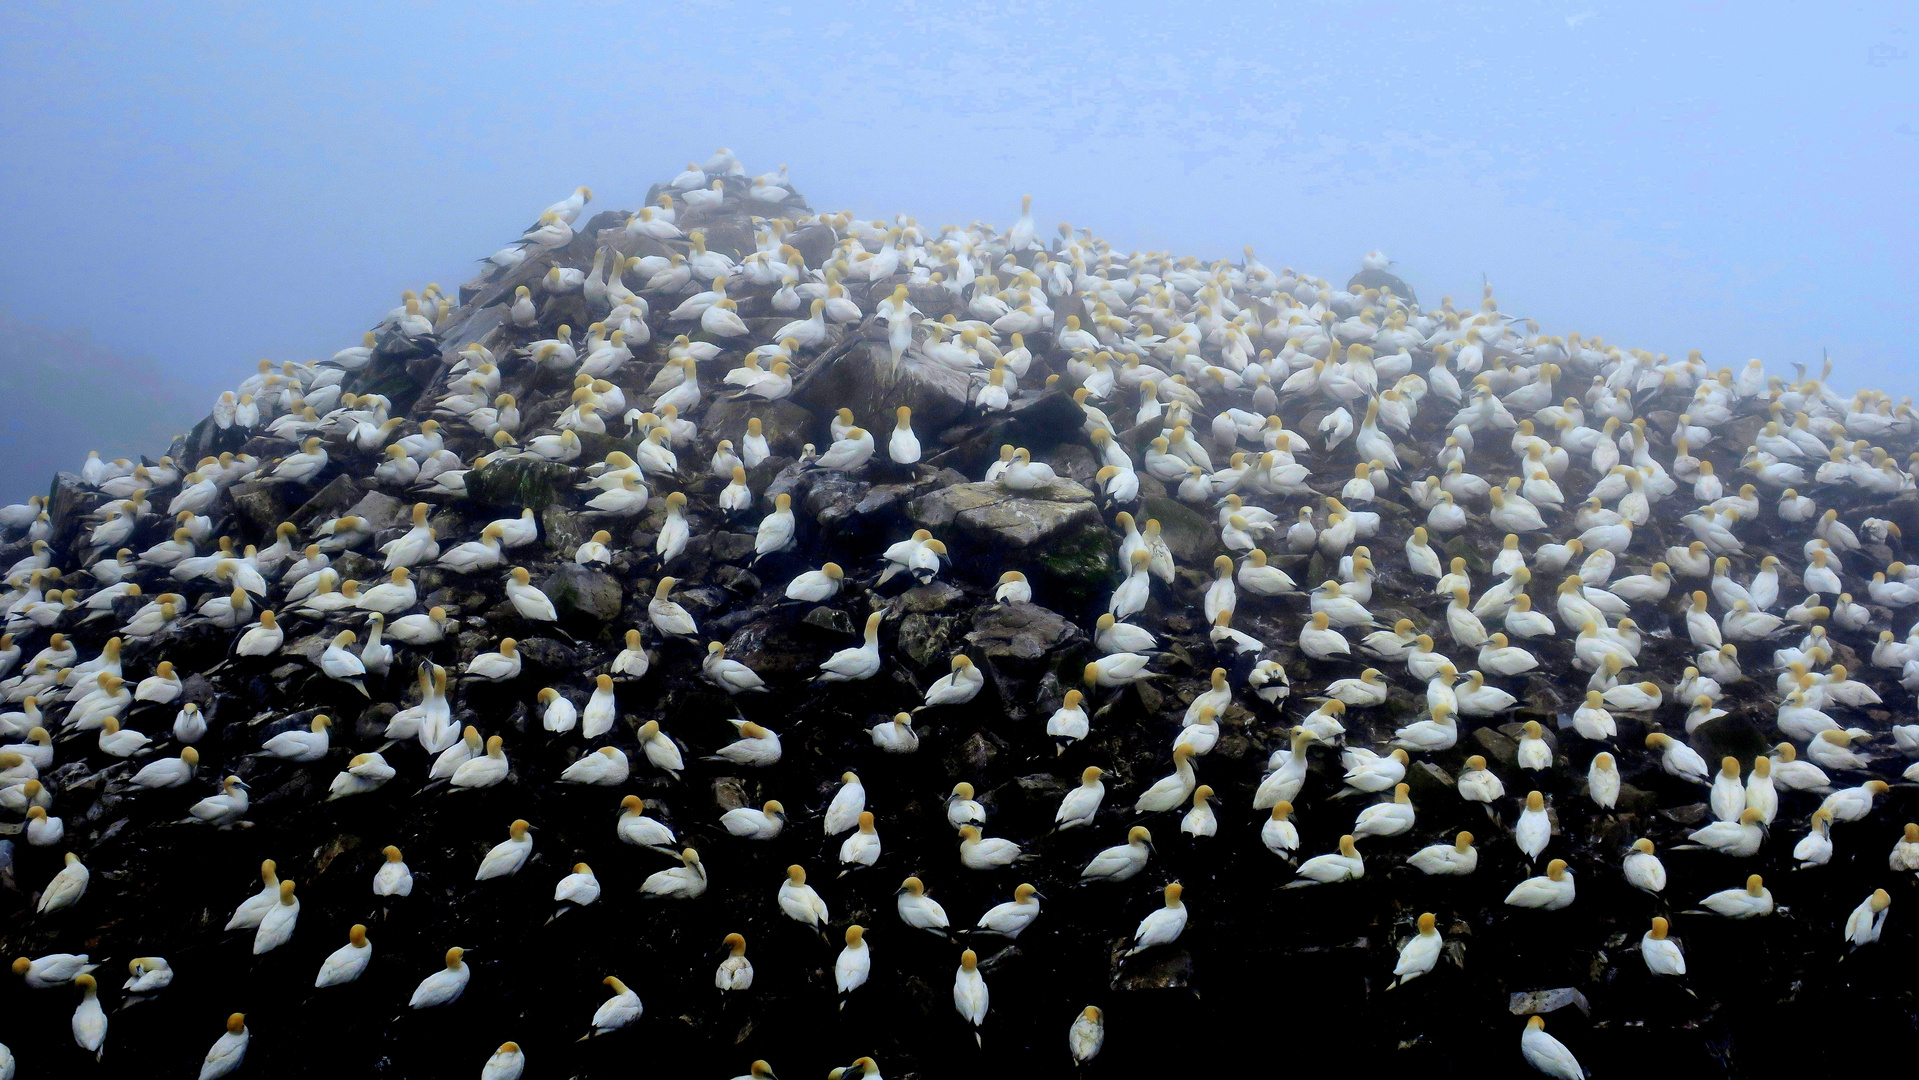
pixel 594 446
pixel 392 382
pixel 584 594
pixel 519 482
pixel 1076 569
pixel 926 640
pixel 1461 547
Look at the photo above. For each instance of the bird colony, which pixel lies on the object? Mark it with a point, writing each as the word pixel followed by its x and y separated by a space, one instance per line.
pixel 732 637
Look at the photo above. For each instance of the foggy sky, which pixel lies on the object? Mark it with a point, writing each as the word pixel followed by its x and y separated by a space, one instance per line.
pixel 202 186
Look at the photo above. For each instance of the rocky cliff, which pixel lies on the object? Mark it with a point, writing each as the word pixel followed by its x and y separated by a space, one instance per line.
pixel 1297 977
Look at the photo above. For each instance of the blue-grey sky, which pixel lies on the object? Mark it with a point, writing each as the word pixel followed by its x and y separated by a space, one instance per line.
pixel 190 188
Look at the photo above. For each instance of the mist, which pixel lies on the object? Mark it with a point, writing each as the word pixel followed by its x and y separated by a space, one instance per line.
pixel 193 188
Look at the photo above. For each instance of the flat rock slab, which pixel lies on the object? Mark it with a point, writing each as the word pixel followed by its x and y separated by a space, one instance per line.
pixel 1537 1002
pixel 1020 631
pixel 995 514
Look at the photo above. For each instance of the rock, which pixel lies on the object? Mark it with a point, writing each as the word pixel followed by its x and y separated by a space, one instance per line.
pixel 1232 747
pixel 1192 539
pixel 1076 569
pixel 370 726
pixel 564 530
pixel 993 515
pixel 1151 698
pixel 68 501
pixel 516 717
pixel 701 599
pixel 595 447
pixel 1021 632
pixel 197 689
pixel 584 594
pixel 263 504
pixel 1040 787
pixel 549 656
pixel 1637 801
pixel 926 640
pixel 867 380
pixel 518 483
pixel 1496 746
pixel 777 650
pixel 1429 780
pixel 1169 968
pixel 934 302
pixel 1691 815
pixel 1044 418
pixel 832 620
pixel 814 243
pixel 974 756
pixel 884 501
pixel 735 580
pixel 1381 279
pixel 308 648
pixel 1019 646
pixel 790 480
pixel 1075 462
pixel 1048 423
pixel 729 793
pixel 477 323
pixel 450 521
pixel 1540 1002
pixel 833 501
pixel 542 413
pixel 731 546
pixel 934 596
pixel 1008 957
pixel 786 425
pixel 380 511
pixel 329 502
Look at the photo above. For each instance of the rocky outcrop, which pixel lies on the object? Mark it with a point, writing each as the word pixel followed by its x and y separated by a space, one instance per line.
pixel 995 516
pixel 1254 953
pixel 867 379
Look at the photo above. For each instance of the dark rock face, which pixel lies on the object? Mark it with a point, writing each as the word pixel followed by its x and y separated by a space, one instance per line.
pixel 592 596
pixel 786 425
pixel 1382 279
pixel 870 382
pixel 1191 538
pixel 1256 959
pixel 518 482
pixel 261 504
pixel 1020 632
pixel 331 501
